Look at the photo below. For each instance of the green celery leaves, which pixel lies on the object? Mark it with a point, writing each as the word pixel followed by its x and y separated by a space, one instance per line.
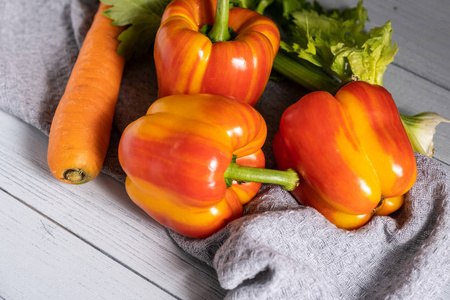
pixel 369 61
pixel 335 41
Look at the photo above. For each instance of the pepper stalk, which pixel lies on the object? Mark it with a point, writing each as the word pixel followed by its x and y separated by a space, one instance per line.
pixel 220 31
pixel 288 179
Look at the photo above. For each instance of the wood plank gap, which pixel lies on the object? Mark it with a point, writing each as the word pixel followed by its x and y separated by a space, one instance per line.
pixel 446 165
pixel 420 76
pixel 90 244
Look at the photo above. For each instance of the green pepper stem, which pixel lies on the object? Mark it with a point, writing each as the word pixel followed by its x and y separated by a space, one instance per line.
pixel 308 76
pixel 288 179
pixel 262 5
pixel 220 32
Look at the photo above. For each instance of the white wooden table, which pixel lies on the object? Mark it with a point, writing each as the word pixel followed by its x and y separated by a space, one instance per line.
pixel 59 241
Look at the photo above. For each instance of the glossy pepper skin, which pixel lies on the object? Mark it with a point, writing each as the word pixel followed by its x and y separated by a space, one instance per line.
pixel 351 150
pixel 187 62
pixel 176 155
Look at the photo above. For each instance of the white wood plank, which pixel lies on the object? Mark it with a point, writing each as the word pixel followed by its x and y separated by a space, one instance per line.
pixel 101 213
pixel 41 260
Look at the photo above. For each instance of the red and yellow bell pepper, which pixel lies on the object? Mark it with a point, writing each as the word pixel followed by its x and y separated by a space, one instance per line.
pixel 186 161
pixel 191 59
pixel 351 150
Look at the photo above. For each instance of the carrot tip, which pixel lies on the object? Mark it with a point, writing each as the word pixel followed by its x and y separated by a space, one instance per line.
pixel 75 176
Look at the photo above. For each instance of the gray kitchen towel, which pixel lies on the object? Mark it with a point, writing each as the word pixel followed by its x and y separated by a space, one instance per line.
pixel 278 249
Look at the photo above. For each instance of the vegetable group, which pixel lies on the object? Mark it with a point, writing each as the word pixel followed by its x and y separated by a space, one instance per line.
pixel 196 157
pixel 189 62
pixel 351 150
pixel 81 126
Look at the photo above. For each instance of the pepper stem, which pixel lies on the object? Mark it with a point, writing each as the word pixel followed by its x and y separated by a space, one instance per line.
pixel 288 179
pixel 220 32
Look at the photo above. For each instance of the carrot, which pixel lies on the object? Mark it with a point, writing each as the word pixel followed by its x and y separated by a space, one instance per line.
pixel 81 127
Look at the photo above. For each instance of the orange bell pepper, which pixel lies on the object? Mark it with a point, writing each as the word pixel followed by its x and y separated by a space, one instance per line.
pixel 191 59
pixel 351 151
pixel 186 161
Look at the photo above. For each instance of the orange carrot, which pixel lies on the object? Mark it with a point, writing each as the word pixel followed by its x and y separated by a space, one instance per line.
pixel 81 127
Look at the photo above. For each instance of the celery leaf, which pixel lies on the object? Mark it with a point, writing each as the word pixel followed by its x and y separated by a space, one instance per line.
pixel 369 61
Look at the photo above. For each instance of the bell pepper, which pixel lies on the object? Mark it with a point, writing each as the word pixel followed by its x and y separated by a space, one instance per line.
pixel 193 160
pixel 352 153
pixel 234 58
